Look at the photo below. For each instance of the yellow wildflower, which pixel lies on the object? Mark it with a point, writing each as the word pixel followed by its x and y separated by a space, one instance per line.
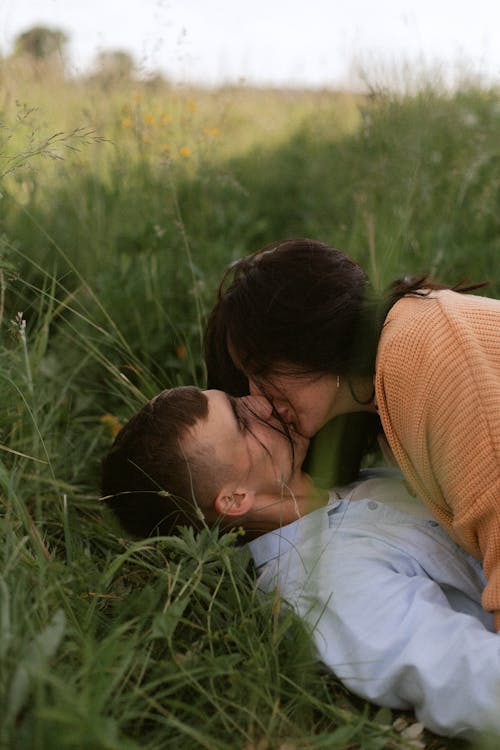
pixel 126 122
pixel 149 119
pixel 138 96
pixel 166 119
pixel 214 132
pixel 192 106
pixel 112 423
pixel 165 147
pixel 185 151
pixel 146 139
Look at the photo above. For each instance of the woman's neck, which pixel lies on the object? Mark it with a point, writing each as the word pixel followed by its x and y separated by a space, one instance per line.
pixel 355 394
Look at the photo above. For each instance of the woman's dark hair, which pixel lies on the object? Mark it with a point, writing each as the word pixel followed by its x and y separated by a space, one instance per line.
pixel 294 303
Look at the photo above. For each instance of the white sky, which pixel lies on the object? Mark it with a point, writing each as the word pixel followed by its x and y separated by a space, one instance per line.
pixel 298 42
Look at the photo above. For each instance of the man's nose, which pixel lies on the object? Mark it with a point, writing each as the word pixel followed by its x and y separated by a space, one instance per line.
pixel 284 409
pixel 280 405
pixel 259 406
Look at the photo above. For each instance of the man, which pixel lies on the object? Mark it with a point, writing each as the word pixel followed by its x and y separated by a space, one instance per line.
pixel 393 604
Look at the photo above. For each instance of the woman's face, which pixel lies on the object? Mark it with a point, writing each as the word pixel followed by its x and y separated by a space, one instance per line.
pixel 306 402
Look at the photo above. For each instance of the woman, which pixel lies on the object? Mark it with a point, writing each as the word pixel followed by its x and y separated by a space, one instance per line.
pixel 299 322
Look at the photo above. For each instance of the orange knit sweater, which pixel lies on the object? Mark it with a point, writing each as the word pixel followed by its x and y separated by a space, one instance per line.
pixel 437 386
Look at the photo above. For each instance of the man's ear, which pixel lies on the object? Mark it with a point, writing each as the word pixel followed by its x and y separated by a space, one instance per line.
pixel 234 504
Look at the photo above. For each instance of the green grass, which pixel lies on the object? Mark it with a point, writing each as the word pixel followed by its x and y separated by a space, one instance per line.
pixel 111 247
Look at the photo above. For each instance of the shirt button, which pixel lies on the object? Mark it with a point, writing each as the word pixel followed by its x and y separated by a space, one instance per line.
pixel 372 505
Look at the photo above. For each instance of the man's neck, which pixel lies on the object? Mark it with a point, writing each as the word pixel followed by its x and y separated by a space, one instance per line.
pixel 294 500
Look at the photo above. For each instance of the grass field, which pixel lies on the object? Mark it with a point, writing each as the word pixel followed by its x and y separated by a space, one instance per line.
pixel 121 205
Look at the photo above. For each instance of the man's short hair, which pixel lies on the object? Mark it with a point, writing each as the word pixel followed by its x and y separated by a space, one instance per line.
pixel 151 478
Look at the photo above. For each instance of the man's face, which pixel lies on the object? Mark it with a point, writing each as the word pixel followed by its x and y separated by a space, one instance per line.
pixel 246 436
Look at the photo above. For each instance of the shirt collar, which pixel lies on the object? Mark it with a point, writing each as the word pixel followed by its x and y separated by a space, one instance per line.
pixel 271 545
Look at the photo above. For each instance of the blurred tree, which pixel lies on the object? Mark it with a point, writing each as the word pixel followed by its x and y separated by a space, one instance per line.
pixel 112 66
pixel 42 50
pixel 40 42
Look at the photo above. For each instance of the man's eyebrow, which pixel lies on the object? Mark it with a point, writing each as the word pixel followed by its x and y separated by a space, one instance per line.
pixel 242 423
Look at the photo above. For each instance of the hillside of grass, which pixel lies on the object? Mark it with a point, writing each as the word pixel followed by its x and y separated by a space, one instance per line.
pixel 121 206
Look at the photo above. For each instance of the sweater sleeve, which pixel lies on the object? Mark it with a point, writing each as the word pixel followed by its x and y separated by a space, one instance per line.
pixel 439 386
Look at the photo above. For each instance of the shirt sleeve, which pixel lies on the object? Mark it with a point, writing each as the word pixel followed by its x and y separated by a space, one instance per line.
pixel 389 633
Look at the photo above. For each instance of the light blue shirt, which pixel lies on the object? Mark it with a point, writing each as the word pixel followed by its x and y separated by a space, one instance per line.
pixel 394 605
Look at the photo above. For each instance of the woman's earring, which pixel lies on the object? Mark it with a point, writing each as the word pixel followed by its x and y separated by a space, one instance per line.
pixel 338 381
